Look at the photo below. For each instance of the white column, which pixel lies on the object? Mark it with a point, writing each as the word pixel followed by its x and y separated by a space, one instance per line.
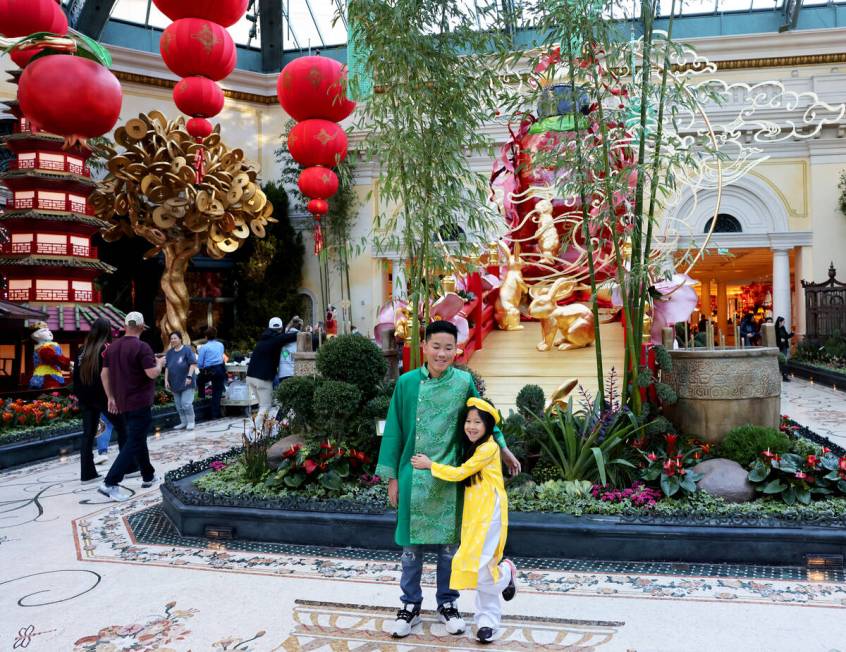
pixel 781 285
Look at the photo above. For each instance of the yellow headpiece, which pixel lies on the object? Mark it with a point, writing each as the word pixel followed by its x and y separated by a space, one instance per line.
pixel 484 406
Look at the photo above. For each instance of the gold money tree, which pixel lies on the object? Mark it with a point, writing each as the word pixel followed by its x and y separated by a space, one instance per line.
pixel 181 194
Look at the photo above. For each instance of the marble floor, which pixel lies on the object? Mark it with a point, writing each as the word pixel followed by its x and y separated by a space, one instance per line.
pixel 79 574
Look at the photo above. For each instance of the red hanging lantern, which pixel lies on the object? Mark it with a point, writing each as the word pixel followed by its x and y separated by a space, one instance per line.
pixel 25 17
pixel 199 127
pixel 71 96
pixel 318 207
pixel 317 142
pixel 199 97
pixel 223 12
pixel 318 182
pixel 314 87
pixel 195 46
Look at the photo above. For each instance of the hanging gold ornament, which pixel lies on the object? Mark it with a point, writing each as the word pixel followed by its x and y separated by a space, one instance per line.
pixel 181 195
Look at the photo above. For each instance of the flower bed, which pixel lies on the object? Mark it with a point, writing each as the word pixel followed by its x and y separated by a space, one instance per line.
pixel 20 415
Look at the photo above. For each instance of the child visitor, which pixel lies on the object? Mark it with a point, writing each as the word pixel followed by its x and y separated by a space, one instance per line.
pixel 478 564
pixel 424 418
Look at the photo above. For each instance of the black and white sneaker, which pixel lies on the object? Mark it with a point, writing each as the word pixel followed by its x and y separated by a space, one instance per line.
pixel 510 591
pixel 448 614
pixel 485 635
pixel 407 618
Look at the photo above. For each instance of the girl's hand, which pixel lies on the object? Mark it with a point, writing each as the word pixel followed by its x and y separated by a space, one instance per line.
pixel 420 461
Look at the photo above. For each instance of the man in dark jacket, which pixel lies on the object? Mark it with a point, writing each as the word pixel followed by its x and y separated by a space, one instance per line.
pixel 264 363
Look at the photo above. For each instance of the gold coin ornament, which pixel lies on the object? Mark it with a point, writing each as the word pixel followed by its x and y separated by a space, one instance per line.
pixel 182 195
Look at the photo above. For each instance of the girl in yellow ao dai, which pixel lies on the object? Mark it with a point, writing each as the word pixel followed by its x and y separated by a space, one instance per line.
pixel 478 564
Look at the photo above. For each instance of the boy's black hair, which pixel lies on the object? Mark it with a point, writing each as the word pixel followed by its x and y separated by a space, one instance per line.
pixel 441 326
pixel 469 446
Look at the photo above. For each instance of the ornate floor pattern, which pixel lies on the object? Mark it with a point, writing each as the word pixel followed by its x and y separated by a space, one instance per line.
pixel 78 574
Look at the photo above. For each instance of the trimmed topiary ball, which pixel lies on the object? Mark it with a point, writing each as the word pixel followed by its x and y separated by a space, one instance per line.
pixel 353 359
pixel 296 397
pixel 336 404
pixel 745 443
pixel 530 401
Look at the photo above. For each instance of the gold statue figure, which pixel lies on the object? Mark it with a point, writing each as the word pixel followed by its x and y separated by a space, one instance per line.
pixel 402 324
pixel 546 234
pixel 507 307
pixel 565 327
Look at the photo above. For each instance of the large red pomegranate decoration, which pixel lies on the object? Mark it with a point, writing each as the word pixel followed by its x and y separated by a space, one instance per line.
pixel 312 90
pixel 71 96
pixel 24 17
pixel 195 46
pixel 314 87
pixel 223 12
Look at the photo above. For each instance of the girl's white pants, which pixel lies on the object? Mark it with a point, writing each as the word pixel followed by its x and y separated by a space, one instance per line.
pixel 489 592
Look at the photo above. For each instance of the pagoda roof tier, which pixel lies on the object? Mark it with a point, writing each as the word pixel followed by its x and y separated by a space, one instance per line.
pixel 26 216
pixel 9 310
pixel 47 142
pixel 78 317
pixel 31 179
pixel 40 260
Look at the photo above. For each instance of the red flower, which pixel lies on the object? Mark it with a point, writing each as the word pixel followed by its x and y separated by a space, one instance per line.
pixel 671 443
pixel 309 466
pixel 7 416
pixel 841 464
pixel 669 468
pixel 652 457
pixel 327 445
pixel 706 448
pixel 801 475
pixel 21 419
pixel 811 460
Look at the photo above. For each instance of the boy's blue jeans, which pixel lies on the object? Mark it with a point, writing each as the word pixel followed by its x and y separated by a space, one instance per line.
pixel 412 570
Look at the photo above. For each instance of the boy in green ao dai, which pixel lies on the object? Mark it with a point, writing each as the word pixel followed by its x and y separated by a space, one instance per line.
pixel 423 418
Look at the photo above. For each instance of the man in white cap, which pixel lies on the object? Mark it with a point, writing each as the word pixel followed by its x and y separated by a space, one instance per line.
pixel 264 362
pixel 129 370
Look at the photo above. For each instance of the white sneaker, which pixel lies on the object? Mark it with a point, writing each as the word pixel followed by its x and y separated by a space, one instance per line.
pixel 101 458
pixel 406 620
pixel 190 426
pixel 448 614
pixel 181 426
pixel 114 492
pixel 149 483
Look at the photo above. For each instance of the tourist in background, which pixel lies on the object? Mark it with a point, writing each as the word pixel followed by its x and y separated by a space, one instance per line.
pixel 747 329
pixel 212 369
pixel 264 365
pixel 88 387
pixel 180 367
pixel 286 357
pixel 129 371
pixel 783 343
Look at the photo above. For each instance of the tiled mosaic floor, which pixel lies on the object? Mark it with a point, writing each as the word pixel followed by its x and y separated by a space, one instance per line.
pixel 83 575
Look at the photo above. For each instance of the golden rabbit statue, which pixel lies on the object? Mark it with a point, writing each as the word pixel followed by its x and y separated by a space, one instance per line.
pixel 564 327
pixel 507 307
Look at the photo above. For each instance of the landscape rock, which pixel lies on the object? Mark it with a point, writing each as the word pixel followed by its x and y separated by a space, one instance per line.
pixel 726 479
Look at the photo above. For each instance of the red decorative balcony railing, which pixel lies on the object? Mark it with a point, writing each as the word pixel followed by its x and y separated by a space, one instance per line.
pixel 49 248
pixel 40 163
pixel 33 294
pixel 53 205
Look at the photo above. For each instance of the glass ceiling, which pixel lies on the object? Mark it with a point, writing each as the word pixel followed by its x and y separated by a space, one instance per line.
pixel 311 23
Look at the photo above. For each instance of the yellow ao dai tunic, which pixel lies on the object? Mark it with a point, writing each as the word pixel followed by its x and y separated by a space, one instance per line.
pixel 479 502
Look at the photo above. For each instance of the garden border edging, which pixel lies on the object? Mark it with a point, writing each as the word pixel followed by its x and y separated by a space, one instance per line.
pixel 610 538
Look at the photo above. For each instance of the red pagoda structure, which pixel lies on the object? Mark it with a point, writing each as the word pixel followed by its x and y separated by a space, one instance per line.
pixel 49 261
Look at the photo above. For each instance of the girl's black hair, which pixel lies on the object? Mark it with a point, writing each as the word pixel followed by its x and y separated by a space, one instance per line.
pixel 470 447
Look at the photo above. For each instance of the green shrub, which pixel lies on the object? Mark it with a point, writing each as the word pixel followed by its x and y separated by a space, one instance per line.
pixel 336 405
pixel 296 397
pixel 745 443
pixel 530 401
pixel 544 471
pixel 355 360
pixel 377 407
